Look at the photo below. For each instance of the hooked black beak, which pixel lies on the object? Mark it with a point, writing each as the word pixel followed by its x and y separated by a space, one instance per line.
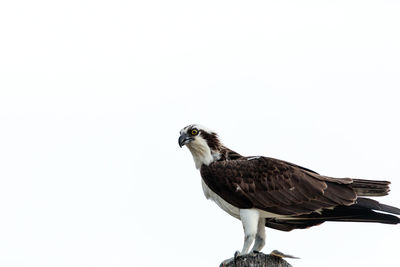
pixel 184 139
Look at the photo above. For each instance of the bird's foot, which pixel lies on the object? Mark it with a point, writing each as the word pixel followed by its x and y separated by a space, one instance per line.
pixel 235 257
pixel 279 254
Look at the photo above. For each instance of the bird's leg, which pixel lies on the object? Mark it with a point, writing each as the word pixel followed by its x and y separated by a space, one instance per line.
pixel 260 236
pixel 249 218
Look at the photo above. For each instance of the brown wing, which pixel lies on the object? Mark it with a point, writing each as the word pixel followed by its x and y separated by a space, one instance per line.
pixel 276 186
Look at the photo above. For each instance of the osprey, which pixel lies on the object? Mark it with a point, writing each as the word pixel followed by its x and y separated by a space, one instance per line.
pixel 267 192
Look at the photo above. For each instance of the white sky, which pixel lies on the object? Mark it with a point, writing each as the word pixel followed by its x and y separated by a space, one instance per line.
pixel 93 95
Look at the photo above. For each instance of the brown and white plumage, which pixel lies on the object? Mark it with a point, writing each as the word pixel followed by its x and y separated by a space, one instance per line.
pixel 262 191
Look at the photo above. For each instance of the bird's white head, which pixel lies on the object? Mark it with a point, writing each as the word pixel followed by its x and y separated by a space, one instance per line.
pixel 203 143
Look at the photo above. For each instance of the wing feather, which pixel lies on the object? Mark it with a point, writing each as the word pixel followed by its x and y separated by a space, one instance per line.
pixel 276 186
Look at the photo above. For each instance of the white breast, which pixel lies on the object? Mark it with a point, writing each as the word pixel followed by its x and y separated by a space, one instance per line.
pixel 230 209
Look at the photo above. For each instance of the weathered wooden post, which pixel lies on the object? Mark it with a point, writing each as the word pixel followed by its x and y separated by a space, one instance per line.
pixel 257 260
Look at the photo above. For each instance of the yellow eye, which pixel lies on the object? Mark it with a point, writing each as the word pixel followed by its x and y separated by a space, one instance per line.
pixel 194 132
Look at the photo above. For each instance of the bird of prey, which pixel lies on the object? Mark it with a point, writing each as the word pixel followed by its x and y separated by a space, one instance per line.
pixel 267 192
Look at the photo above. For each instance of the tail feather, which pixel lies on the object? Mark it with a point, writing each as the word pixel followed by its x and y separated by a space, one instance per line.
pixel 370 187
pixel 375 205
pixel 363 216
pixel 364 210
pixel 352 213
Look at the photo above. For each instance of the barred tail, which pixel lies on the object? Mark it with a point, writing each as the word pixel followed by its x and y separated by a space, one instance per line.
pixel 370 187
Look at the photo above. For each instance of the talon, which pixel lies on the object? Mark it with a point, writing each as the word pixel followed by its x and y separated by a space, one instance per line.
pixel 228 261
pixel 236 255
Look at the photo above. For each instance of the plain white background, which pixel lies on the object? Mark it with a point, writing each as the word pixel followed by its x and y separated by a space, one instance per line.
pixel 93 95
